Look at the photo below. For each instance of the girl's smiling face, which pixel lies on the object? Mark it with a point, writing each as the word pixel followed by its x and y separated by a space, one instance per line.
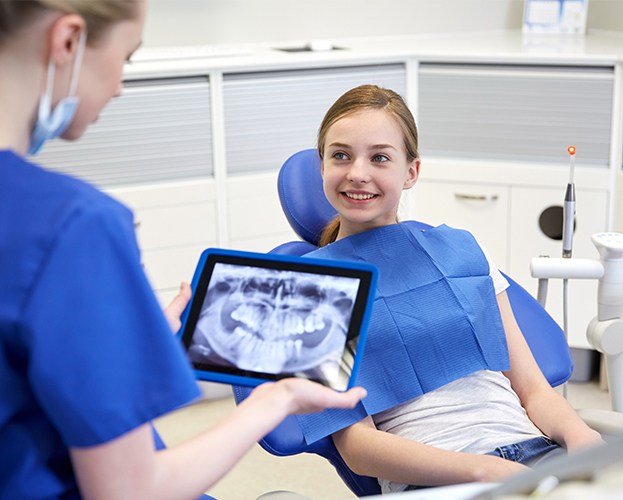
pixel 365 169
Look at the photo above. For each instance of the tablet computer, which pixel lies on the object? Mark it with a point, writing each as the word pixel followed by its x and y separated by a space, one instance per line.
pixel 258 317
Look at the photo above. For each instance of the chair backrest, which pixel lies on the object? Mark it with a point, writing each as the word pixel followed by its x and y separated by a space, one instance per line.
pixel 308 211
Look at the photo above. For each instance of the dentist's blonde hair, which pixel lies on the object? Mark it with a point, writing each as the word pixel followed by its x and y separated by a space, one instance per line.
pixel 99 15
pixel 358 99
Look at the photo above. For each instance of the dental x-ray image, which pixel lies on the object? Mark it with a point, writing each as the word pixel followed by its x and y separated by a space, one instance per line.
pixel 275 321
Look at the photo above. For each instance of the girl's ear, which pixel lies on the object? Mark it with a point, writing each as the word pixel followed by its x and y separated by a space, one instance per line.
pixel 412 174
pixel 64 38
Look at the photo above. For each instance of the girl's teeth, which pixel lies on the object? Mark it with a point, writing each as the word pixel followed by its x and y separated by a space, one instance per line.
pixel 360 196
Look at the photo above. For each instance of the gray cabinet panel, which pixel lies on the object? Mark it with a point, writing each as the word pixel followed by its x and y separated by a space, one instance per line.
pixel 272 114
pixel 516 113
pixel 157 130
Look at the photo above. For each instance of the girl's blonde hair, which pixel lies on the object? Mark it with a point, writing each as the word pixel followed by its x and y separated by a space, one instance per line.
pixel 358 99
pixel 99 15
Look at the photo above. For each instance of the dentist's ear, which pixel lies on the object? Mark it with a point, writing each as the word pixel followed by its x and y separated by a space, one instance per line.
pixel 65 37
pixel 412 174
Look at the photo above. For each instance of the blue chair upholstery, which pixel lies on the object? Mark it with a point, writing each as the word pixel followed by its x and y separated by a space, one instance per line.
pixel 308 211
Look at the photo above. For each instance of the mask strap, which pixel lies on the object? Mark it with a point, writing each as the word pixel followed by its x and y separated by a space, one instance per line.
pixel 77 63
pixel 75 71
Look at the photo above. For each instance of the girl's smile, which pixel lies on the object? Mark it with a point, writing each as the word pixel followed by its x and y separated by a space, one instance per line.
pixel 359 196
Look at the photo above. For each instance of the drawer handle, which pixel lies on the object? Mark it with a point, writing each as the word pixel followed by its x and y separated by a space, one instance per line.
pixel 476 197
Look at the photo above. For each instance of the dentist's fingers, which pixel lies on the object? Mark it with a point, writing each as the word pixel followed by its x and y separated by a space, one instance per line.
pixel 175 309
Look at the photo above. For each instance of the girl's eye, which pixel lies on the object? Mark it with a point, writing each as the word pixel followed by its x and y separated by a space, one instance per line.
pixel 338 155
pixel 380 158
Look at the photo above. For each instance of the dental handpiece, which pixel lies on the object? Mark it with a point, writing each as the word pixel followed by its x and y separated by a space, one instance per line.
pixel 568 213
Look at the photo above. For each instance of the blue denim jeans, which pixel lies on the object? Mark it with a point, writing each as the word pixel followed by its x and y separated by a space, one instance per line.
pixel 531 452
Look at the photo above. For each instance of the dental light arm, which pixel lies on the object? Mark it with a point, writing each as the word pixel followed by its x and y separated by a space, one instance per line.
pixel 605 331
pixel 610 291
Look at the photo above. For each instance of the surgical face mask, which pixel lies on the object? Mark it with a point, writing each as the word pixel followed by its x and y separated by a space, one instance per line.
pixel 50 123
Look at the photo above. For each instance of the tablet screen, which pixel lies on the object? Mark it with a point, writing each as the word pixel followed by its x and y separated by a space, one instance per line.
pixel 257 317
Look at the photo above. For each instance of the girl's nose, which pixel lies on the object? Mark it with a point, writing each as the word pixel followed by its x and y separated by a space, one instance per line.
pixel 358 172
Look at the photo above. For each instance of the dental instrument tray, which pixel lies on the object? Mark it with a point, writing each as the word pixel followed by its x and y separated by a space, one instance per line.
pixel 262 317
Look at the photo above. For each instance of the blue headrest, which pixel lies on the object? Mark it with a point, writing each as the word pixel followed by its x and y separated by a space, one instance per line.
pixel 302 198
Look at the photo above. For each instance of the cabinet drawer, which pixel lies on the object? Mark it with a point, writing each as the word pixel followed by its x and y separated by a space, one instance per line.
pixel 176 226
pixel 172 214
pixel 166 268
pixel 256 220
pixel 482 209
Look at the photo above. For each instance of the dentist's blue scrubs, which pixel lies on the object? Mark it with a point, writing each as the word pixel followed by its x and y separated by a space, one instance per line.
pixel 85 352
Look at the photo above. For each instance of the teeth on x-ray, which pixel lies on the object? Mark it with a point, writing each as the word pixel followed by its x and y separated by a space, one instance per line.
pixel 254 316
pixel 275 321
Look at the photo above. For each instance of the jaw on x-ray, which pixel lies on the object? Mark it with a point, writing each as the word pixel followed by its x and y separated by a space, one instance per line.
pixel 274 321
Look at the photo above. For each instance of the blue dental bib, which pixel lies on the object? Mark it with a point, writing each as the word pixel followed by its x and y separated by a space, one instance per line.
pixel 435 317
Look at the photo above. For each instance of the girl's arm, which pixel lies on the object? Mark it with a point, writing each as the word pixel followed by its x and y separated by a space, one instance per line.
pixel 549 411
pixel 129 467
pixel 371 452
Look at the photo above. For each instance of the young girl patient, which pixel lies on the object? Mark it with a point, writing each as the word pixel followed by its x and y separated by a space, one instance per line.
pixel 455 394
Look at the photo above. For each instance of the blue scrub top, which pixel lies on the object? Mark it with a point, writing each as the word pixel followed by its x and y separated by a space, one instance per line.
pixel 86 354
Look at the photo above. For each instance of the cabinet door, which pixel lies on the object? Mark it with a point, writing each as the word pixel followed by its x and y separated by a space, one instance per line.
pixel 270 115
pixel 482 209
pixel 528 240
pixel 255 218
pixel 157 130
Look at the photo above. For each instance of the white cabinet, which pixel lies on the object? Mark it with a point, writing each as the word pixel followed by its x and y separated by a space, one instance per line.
pixel 256 221
pixel 493 142
pixel 174 221
pixel 195 150
pixel 528 240
pixel 506 220
pixel 481 208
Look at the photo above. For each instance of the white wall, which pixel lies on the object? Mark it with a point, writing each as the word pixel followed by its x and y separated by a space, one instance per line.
pixel 190 22
pixel 176 22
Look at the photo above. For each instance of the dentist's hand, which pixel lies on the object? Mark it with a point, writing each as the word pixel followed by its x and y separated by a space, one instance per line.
pixel 293 396
pixel 175 309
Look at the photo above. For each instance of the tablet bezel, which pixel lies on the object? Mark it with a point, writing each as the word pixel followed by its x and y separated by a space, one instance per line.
pixel 366 273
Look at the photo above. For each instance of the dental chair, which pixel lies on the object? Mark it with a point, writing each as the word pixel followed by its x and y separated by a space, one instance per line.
pixel 308 211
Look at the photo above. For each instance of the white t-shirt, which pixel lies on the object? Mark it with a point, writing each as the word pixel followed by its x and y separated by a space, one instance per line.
pixel 474 414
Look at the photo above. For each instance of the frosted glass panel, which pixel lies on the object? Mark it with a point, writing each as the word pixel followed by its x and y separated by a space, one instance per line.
pixel 520 113
pixel 157 130
pixel 271 115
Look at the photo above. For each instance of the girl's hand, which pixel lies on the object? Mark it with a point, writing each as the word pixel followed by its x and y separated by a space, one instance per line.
pixel 581 441
pixel 175 309
pixel 492 469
